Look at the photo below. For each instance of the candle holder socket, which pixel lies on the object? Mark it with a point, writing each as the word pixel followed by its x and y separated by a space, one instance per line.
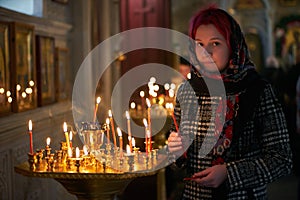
pixel 32 160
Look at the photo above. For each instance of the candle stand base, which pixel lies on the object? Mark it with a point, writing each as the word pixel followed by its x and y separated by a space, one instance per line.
pixel 87 185
pixel 95 189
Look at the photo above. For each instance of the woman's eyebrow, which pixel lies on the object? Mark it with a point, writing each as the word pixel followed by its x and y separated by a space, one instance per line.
pixel 213 38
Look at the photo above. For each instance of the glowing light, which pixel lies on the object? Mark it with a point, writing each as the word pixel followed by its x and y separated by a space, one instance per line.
pixel 48 140
pixel 142 93
pixel 28 90
pixel 24 95
pixel 18 87
pixel 31 83
pixel 132 105
pixel 167 86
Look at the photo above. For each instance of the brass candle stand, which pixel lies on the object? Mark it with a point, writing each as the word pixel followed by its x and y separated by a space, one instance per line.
pixel 99 171
pixel 101 175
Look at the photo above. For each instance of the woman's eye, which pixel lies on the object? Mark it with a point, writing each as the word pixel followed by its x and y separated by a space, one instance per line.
pixel 199 44
pixel 216 44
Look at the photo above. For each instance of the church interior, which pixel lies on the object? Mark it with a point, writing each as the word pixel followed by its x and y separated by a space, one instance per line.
pixel 46 46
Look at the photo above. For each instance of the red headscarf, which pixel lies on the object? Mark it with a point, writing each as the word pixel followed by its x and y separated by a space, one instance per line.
pixel 239 60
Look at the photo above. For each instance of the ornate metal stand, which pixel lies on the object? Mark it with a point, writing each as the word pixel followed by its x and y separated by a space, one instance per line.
pixel 102 186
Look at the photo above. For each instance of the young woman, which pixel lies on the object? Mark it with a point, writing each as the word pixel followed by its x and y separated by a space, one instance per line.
pixel 252 145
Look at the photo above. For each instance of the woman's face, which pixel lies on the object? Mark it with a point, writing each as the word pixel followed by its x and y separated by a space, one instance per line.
pixel 216 56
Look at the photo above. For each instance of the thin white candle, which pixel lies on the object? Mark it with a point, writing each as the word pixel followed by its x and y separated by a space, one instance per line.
pixel 48 140
pixel 96 108
pixel 112 127
pixel 129 129
pixel 107 131
pixel 120 138
pixel 142 94
pixel 85 150
pixel 77 152
pixel 71 138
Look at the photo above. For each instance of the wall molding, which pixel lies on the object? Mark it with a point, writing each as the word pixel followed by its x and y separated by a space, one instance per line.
pixel 42 26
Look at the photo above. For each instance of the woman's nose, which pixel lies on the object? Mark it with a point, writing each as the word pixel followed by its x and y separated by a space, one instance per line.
pixel 208 49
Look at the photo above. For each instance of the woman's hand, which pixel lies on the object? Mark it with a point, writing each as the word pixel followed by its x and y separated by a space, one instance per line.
pixel 211 177
pixel 175 144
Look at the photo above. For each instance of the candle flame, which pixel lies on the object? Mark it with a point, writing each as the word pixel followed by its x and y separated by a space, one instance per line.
pixel 48 140
pixel 148 102
pixel 24 95
pixel 167 86
pixel 31 83
pixel 119 132
pixel 145 122
pixel 109 113
pixel 85 151
pixel 8 93
pixel 133 141
pixel 127 115
pixel 142 93
pixel 98 100
pixel 30 125
pixel 18 87
pixel 77 152
pixel 71 135
pixel 132 105
pixel 65 127
pixel 107 121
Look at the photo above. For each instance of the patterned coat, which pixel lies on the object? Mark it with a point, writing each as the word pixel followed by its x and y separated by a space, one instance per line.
pixel 259 150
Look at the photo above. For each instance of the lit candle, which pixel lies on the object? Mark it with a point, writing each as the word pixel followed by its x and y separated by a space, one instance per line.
pixel 48 149
pixel 85 150
pixel 30 137
pixel 96 108
pixel 77 152
pixel 129 129
pixel 142 94
pixel 48 140
pixel 77 159
pixel 107 131
pixel 71 137
pixel 128 151
pixel 18 87
pixel 133 141
pixel 112 128
pixel 146 134
pixel 120 139
pixel 65 127
pixel 132 105
pixel 149 123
